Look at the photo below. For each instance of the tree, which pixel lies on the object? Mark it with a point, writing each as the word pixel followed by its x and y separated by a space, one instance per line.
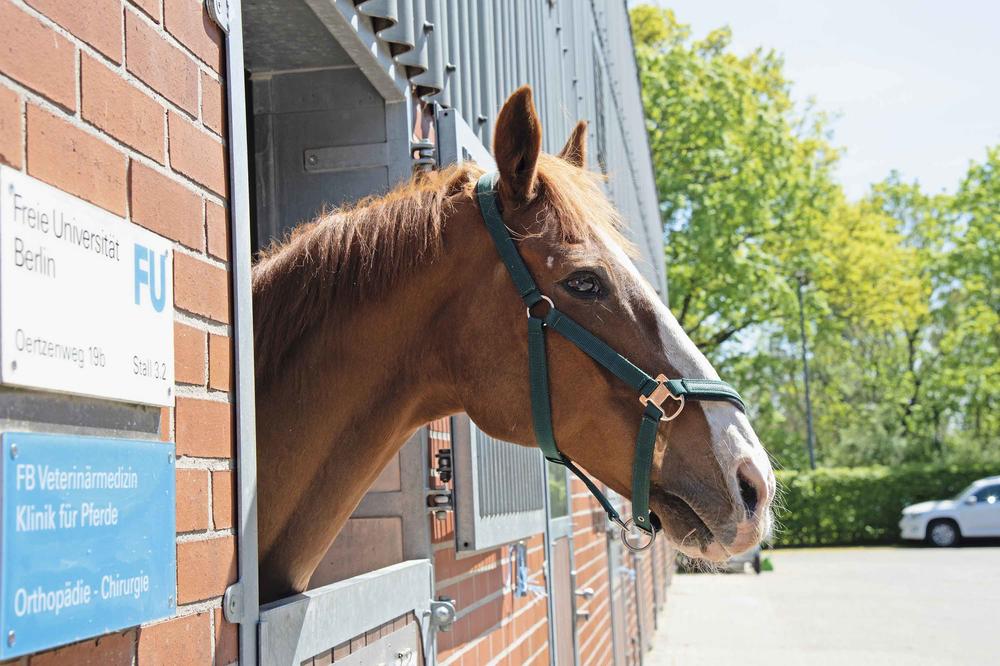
pixel 901 301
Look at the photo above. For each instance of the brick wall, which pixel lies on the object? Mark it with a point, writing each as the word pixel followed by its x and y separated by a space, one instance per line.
pixel 590 554
pixel 121 103
pixel 494 626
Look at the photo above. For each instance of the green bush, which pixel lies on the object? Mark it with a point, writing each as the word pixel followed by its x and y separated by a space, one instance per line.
pixel 860 505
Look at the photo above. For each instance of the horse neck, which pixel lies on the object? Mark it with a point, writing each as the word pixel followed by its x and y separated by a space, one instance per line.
pixel 358 385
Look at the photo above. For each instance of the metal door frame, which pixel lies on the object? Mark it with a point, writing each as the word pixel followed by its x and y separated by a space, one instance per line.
pixel 561 528
pixel 241 601
pixel 318 619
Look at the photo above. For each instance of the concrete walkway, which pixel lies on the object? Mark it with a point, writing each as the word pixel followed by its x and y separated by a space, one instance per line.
pixel 843 607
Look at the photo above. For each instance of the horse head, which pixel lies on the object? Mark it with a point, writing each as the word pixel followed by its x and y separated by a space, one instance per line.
pixel 711 482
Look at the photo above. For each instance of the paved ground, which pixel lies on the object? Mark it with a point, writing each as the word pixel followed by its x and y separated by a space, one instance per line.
pixel 845 606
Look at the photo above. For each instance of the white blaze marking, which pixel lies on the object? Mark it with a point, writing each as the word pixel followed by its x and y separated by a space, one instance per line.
pixel 732 437
pixel 549 261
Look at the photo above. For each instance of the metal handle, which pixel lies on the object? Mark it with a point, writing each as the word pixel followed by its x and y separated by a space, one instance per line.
pixel 586 592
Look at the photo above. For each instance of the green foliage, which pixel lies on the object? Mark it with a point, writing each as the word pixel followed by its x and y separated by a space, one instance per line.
pixel 861 505
pixel 901 288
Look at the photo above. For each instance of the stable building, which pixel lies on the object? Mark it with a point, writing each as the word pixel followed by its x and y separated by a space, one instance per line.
pixel 168 141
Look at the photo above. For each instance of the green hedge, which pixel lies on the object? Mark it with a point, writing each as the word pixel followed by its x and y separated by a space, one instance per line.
pixel 860 505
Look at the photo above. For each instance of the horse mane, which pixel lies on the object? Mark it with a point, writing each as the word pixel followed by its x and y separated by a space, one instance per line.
pixel 356 253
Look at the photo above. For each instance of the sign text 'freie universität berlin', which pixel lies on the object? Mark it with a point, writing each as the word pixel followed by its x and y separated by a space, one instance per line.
pixel 88 531
pixel 86 298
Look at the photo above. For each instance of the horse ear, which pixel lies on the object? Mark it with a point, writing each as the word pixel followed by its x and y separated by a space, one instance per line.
pixel 517 141
pixel 575 150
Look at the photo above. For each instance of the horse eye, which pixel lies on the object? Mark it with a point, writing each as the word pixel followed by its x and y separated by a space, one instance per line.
pixel 584 285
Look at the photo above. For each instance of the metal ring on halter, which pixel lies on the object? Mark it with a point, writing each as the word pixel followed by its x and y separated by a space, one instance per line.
pixel 544 298
pixel 624 537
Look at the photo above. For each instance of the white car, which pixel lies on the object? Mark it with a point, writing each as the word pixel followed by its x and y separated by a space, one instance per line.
pixel 974 512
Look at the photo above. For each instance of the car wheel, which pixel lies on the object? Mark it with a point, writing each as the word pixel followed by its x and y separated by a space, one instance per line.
pixel 943 533
pixel 756 563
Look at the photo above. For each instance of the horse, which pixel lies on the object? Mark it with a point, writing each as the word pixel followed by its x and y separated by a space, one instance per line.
pixel 377 318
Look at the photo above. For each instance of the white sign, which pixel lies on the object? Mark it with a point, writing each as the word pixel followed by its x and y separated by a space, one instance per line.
pixel 86 298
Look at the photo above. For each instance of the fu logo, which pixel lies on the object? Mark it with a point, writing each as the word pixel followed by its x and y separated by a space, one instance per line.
pixel 150 275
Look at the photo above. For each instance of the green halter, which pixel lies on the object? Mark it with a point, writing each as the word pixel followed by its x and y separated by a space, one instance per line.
pixel 652 392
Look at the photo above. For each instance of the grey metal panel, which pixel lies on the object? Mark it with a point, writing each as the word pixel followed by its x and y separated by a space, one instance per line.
pixel 464 64
pixel 321 90
pixel 300 627
pixel 434 78
pixel 409 501
pixel 27 409
pixel 475 72
pixel 458 143
pixel 470 54
pixel 499 489
pixel 356 36
pixel 286 35
pixel 487 65
pixel 322 138
pixel 416 58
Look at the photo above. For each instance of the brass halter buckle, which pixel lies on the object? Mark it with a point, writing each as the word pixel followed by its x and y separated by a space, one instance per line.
pixel 660 395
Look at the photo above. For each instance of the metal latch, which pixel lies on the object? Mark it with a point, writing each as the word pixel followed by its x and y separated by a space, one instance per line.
pixel 440 502
pixel 443 613
pixel 424 154
pixel 444 467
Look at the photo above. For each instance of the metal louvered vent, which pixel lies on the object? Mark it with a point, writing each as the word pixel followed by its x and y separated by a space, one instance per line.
pixel 509 476
pixel 499 489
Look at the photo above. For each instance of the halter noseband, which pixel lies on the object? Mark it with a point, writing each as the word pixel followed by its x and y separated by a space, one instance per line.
pixel 653 392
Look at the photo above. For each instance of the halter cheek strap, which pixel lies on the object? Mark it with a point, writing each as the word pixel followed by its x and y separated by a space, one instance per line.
pixel 652 392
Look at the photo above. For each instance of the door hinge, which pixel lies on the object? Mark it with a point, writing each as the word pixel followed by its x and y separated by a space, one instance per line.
pixel 443 613
pixel 218 11
pixel 232 603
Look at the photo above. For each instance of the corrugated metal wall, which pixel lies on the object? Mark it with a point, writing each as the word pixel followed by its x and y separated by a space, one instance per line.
pixel 471 54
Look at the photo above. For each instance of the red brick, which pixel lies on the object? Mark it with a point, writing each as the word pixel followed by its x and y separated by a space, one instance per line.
pixel 213 104
pixel 227 647
pixel 220 362
pixel 201 288
pixel 189 355
pixel 37 56
pixel 223 508
pixel 165 413
pixel 110 650
pixel 150 7
pixel 12 128
pixel 192 500
pixel 97 22
pixel 197 154
pixel 165 68
pixel 163 205
pixel 188 21
pixel 74 161
pixel 182 640
pixel 204 570
pixel 121 110
pixel 217 226
pixel 203 428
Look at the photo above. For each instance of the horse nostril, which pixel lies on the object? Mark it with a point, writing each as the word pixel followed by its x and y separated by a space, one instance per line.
pixel 748 493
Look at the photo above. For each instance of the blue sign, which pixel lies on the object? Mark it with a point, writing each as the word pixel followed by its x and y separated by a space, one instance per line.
pixel 88 538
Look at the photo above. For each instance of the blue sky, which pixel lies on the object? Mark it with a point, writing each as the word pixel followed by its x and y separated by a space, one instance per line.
pixel 914 84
